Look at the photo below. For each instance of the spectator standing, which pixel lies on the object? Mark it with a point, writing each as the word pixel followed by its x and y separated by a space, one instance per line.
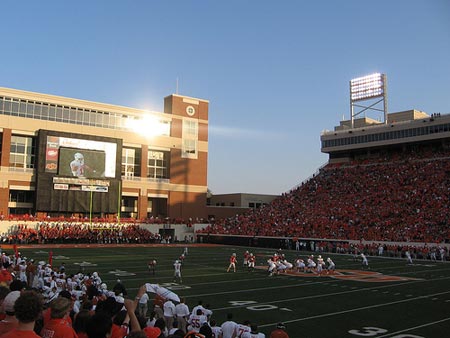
pixel 143 305
pixel 182 312
pixel 169 313
pixel 27 309
pixel 59 326
pixel 10 322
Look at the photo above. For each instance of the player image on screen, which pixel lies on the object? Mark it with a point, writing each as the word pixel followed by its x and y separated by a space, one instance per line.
pixel 82 163
pixel 78 167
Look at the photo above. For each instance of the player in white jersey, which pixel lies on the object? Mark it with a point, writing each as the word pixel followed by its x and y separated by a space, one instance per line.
pixel 320 265
pixel 229 328
pixel 177 273
pixel 433 254
pixel 365 262
pixel 205 311
pixel 331 266
pixel 253 333
pixel 22 271
pixel 272 266
pixel 300 265
pixel 288 265
pixel 281 268
pixel 442 253
pixel 310 264
pixel 196 321
pixel 242 328
pixel 251 262
pixel 216 330
pixel 408 258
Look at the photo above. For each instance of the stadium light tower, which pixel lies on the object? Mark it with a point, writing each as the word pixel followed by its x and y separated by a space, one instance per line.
pixel 367 88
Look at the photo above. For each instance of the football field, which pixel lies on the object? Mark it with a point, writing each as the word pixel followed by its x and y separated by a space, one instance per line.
pixel 392 299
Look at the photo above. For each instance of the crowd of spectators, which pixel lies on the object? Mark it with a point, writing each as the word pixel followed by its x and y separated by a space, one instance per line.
pixel 403 197
pixel 41 300
pixel 81 219
pixel 74 232
pixel 432 252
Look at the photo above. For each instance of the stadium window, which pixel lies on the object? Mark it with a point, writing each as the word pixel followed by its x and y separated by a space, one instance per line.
pixel 157 165
pixel 105 119
pixel 44 112
pixel 189 149
pixel 59 114
pixel 66 115
pixel 22 108
pixel 85 119
pixel 7 106
pixel 99 119
pixel 22 152
pixel 72 115
pixel 128 162
pixel 52 113
pixel 21 196
pixel 15 107
pixel 37 112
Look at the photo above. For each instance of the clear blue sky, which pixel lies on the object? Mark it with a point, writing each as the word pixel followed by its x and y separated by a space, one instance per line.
pixel 276 73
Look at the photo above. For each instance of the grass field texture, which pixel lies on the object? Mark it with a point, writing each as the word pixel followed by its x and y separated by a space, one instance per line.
pixel 392 299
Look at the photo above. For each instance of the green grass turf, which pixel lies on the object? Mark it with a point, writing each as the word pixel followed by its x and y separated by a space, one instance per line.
pixel 309 306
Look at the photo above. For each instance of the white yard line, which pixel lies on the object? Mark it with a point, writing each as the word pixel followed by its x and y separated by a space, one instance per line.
pixel 355 310
pixel 415 327
pixel 320 295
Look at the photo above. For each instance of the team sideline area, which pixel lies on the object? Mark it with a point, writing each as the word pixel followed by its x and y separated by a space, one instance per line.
pixel 389 298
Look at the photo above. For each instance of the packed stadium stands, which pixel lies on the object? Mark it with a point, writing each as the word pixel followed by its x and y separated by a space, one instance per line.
pixel 401 196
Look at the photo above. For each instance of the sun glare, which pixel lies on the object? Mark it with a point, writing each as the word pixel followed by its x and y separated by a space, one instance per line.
pixel 148 126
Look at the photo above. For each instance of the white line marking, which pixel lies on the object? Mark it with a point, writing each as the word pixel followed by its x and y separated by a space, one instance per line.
pixel 415 327
pixel 356 309
pixel 308 297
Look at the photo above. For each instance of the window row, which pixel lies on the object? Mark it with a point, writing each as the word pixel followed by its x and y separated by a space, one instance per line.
pixel 390 135
pixel 23 150
pixel 73 115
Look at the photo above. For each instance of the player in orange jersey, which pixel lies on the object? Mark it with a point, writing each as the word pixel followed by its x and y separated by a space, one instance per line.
pixel 233 262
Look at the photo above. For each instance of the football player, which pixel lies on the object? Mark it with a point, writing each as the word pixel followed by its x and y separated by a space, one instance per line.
pixel 152 266
pixel 233 262
pixel 251 262
pixel 177 272
pixel 331 266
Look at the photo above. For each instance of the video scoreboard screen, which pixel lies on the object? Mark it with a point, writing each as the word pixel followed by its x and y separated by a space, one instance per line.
pixel 77 172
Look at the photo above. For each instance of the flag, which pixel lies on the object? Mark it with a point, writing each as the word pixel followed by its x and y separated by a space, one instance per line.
pixel 161 291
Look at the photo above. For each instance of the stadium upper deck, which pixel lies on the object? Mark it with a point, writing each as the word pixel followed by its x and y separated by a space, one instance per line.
pixel 369 137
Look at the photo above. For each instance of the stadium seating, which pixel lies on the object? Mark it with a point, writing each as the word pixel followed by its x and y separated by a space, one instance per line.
pixel 400 197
